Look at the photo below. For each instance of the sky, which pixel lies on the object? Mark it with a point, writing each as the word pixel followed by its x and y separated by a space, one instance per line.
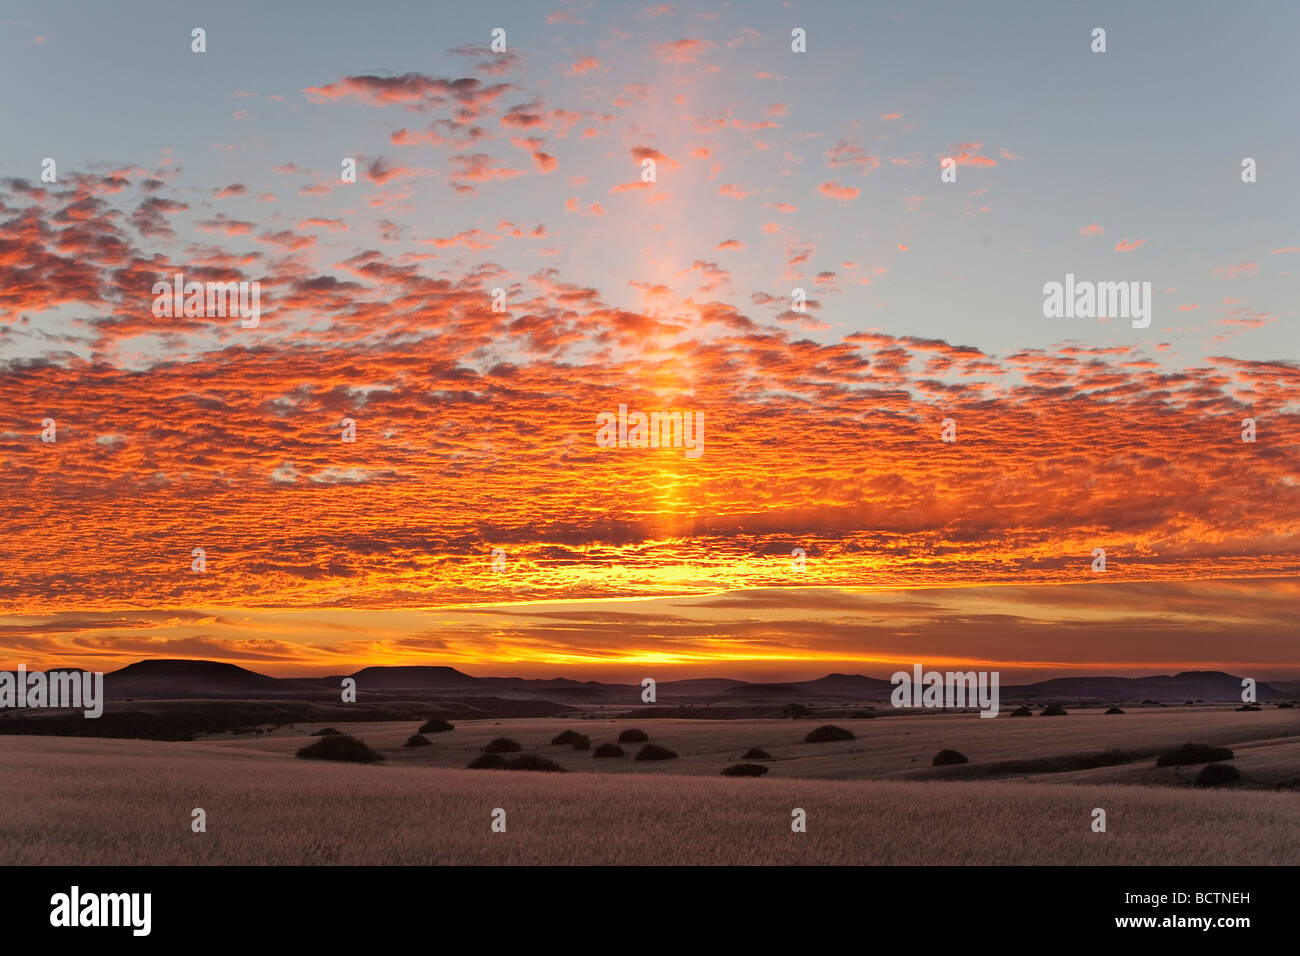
pixel 825 525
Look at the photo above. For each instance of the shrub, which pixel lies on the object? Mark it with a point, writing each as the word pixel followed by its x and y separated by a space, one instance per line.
pixel 488 762
pixel 583 742
pixel 339 747
pixel 745 770
pixel 1022 711
pixel 1193 753
pixel 633 736
pixel 1114 710
pixel 828 733
pixel 1052 710
pixel 436 725
pixel 1213 774
pixel 415 740
pixel 862 714
pixel 566 738
pixel 325 732
pixel 655 752
pixel 946 758
pixel 608 750
pixel 1248 707
pixel 795 711
pixel 755 753
pixel 533 762
pixel 502 745
pixel 1285 704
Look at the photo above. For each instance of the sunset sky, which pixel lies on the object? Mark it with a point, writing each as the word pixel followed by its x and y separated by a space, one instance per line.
pixel 476 429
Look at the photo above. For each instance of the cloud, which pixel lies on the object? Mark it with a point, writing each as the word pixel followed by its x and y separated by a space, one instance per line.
pixel 833 190
pixel 681 51
pixel 1234 272
pixel 1125 246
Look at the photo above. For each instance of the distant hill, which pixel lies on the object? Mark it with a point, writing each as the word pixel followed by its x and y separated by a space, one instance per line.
pixel 855 686
pixel 181 678
pixel 1188 685
pixel 411 678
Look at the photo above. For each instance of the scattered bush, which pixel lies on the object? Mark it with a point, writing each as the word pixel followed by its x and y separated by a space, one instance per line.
pixel 488 762
pixel 1213 774
pixel 340 747
pixel 325 732
pixel 828 733
pixel 756 753
pixel 436 725
pixel 1022 711
pixel 862 714
pixel 745 770
pixel 655 752
pixel 583 742
pixel 1248 707
pixel 533 762
pixel 946 758
pixel 1285 704
pixel 608 750
pixel 795 711
pixel 633 736
pixel 502 745
pixel 415 740
pixel 1052 710
pixel 565 739
pixel 1193 753
pixel 1114 710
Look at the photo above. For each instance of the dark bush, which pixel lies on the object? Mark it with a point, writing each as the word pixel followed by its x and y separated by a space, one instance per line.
pixel 745 770
pixel 828 733
pixel 502 745
pixel 325 732
pixel 655 752
pixel 1193 753
pixel 633 736
pixel 608 750
pixel 1248 707
pixel 756 753
pixel 488 762
pixel 1052 710
pixel 1114 710
pixel 946 758
pixel 339 747
pixel 565 739
pixel 582 742
pixel 1213 774
pixel 1285 704
pixel 436 725
pixel 1022 711
pixel 415 740
pixel 533 762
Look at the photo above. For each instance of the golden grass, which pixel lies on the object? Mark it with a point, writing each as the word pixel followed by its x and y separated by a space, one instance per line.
pixel 77 801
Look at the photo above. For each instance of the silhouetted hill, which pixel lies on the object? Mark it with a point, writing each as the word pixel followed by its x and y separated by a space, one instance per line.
pixel 411 678
pixel 184 678
pixel 1188 685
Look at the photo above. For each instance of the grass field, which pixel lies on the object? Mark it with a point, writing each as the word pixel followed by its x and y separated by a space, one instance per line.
pixel 71 800
pixel 889 748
